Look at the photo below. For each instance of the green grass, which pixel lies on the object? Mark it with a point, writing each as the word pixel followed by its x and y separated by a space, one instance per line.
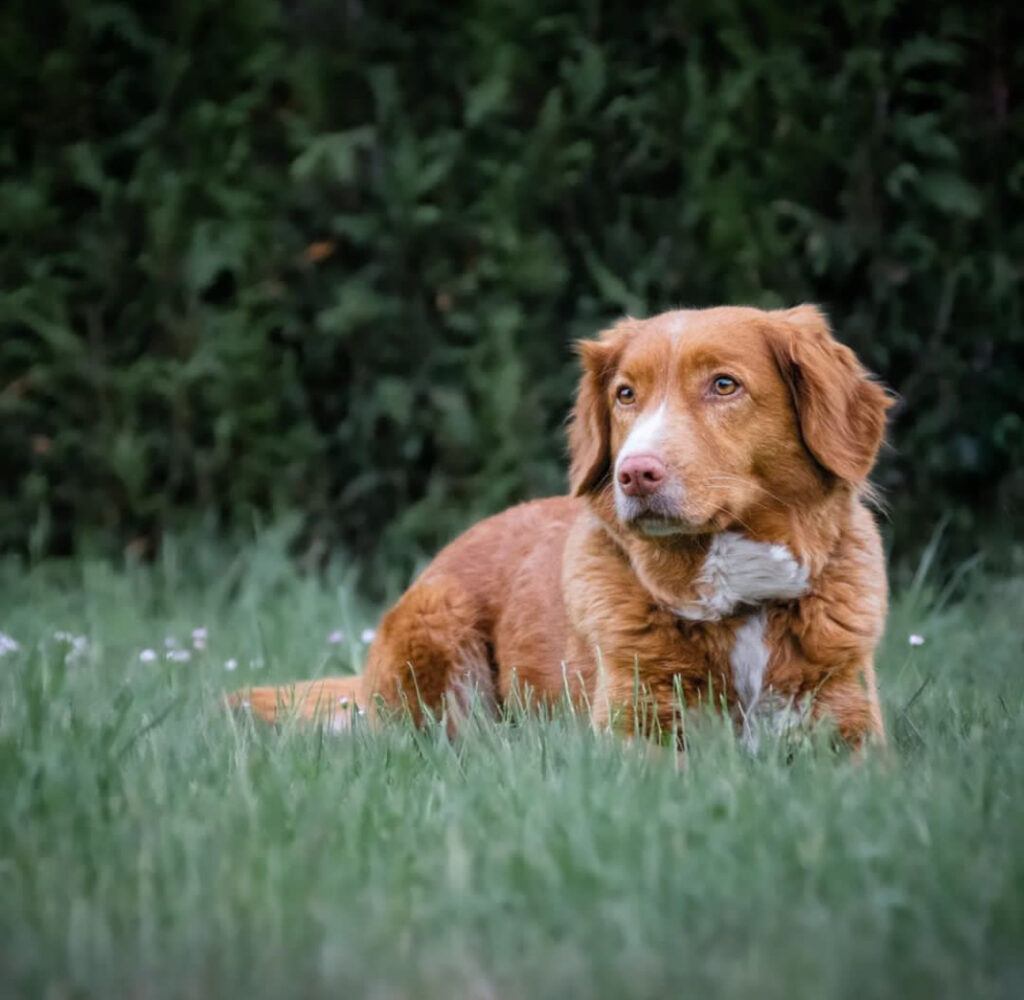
pixel 153 846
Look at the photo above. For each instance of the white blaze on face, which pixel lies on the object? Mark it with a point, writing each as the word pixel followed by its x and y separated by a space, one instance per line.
pixel 679 322
pixel 645 437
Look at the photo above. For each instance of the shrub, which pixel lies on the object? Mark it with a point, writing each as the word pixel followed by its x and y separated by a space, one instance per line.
pixel 317 255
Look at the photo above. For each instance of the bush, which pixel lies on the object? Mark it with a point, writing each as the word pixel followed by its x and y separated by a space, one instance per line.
pixel 312 255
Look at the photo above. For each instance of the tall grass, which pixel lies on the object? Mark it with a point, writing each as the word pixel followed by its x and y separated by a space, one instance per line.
pixel 152 845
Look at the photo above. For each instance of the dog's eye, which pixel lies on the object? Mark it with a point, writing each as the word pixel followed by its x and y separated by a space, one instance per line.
pixel 724 385
pixel 625 395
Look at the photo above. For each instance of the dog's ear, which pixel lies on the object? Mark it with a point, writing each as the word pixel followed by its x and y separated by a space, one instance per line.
pixel 590 423
pixel 840 409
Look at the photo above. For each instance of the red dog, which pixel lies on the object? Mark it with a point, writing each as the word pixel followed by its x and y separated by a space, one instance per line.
pixel 716 540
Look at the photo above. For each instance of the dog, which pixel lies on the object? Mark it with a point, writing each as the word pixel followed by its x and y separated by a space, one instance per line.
pixel 718 545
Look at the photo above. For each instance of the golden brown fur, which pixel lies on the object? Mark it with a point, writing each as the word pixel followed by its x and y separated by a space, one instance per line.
pixel 599 592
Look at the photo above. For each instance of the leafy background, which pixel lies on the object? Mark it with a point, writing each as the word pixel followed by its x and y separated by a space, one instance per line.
pixel 329 257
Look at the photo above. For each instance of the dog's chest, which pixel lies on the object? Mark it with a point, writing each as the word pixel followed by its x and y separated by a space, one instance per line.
pixel 748 659
pixel 745 658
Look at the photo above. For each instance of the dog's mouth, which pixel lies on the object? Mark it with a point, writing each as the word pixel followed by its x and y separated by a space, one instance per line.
pixel 659 517
pixel 662 527
pixel 662 514
pixel 654 516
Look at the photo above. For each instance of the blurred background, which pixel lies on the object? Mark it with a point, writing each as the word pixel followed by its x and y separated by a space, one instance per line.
pixel 324 261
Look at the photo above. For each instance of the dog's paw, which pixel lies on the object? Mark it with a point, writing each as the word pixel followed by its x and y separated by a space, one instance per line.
pixel 739 571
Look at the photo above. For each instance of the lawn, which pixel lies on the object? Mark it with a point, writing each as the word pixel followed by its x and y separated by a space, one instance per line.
pixel 153 846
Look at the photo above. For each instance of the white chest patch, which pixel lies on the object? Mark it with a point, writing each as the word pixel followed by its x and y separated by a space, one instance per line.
pixel 759 709
pixel 749 660
pixel 738 570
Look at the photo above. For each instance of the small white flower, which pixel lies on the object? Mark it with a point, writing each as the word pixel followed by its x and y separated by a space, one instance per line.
pixel 179 655
pixel 335 637
pixel 78 643
pixel 7 644
pixel 343 701
pixel 916 640
pixel 231 664
pixel 199 634
pixel 147 655
pixel 199 644
pixel 367 636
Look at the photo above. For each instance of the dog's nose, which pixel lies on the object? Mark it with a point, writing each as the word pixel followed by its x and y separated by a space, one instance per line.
pixel 641 475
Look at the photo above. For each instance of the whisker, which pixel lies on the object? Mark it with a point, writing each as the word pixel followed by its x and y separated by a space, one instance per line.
pixel 721 510
pixel 753 503
pixel 721 480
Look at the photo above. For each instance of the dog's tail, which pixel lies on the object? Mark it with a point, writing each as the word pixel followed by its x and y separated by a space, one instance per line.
pixel 332 701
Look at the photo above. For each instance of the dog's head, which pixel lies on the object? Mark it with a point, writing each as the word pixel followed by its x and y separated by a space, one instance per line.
pixel 693 421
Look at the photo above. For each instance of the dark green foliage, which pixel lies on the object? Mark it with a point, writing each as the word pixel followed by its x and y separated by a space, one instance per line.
pixel 329 256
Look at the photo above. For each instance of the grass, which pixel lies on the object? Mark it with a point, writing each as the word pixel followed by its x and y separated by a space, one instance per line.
pixel 153 846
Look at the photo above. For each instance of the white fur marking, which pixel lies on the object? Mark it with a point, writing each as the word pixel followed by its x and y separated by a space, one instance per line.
pixel 749 658
pixel 759 708
pixel 739 571
pixel 645 435
pixel 679 323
